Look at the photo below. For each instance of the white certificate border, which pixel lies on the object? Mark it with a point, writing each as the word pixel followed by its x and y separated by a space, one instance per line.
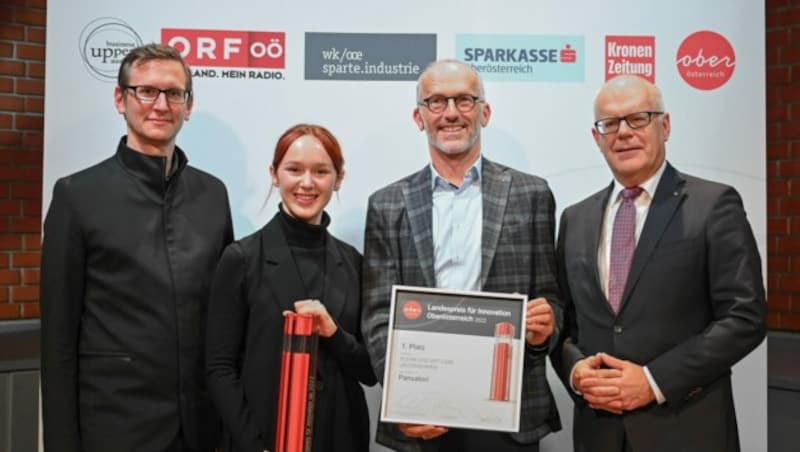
pixel 463 293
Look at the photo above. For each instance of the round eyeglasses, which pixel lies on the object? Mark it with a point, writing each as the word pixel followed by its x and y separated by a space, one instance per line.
pixel 464 103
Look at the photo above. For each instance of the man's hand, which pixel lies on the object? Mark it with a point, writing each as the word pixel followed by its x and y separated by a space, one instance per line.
pixel 597 385
pixel 422 431
pixel 634 388
pixel 538 321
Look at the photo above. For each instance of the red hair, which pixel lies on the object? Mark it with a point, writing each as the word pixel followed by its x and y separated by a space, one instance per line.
pixel 329 142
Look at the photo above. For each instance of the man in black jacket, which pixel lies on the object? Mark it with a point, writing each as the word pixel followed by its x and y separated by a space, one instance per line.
pixel 130 246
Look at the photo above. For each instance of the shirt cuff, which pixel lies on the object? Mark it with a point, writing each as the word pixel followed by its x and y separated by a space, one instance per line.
pixel 543 347
pixel 659 395
pixel 570 380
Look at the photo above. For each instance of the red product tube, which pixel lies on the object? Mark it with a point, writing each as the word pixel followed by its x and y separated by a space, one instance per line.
pixel 283 389
pixel 501 362
pixel 297 398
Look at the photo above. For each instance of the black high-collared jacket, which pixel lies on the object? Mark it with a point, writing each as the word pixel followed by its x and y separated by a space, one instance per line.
pixel 127 261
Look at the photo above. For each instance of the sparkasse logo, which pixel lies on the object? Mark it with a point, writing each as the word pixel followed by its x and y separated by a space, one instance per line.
pixel 706 60
pixel 526 58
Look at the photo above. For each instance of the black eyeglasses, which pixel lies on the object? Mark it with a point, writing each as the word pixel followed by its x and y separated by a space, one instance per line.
pixel 636 120
pixel 149 94
pixel 437 104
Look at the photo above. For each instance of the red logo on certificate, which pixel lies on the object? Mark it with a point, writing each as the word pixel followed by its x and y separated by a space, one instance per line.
pixel 412 310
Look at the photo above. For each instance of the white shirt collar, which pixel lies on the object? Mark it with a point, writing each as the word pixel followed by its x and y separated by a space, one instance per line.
pixel 474 172
pixel 649 186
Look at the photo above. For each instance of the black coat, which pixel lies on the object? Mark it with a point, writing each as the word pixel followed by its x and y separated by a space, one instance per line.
pixel 257 280
pixel 127 260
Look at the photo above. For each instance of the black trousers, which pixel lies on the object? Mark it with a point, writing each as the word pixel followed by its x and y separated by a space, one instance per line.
pixel 178 444
pixel 459 440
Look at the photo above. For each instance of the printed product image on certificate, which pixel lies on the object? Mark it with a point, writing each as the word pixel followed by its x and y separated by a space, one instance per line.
pixel 454 358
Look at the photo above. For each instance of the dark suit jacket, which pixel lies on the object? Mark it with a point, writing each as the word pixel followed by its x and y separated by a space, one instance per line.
pixel 127 260
pixel 693 306
pixel 517 247
pixel 257 280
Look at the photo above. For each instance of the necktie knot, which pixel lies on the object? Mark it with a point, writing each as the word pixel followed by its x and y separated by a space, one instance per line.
pixel 631 193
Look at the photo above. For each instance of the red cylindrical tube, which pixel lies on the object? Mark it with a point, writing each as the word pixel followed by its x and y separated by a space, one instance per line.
pixel 283 388
pixel 501 362
pixel 303 363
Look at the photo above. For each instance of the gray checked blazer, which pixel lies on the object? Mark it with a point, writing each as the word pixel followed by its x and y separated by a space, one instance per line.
pixel 517 256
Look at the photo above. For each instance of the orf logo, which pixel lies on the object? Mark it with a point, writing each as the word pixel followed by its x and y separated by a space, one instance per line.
pixel 412 310
pixel 103 43
pixel 706 60
pixel 228 48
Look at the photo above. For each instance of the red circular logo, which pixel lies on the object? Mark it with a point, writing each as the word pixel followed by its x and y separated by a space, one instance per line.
pixel 412 310
pixel 706 60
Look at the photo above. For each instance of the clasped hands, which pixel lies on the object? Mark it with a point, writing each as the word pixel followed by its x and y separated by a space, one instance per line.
pixel 612 384
pixel 323 323
pixel 538 328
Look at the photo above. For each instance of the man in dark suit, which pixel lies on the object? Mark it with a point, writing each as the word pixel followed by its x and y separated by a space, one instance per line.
pixel 662 289
pixel 464 222
pixel 130 246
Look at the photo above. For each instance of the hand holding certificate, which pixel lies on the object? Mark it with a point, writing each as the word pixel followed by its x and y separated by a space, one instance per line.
pixel 454 358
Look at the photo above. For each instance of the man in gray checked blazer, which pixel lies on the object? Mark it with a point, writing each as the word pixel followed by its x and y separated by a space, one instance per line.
pixel 464 222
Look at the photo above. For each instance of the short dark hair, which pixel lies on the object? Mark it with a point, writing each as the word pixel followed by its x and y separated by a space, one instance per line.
pixel 151 52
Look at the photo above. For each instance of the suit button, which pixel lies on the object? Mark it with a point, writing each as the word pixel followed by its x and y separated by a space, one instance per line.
pixel 617 329
pixel 320 386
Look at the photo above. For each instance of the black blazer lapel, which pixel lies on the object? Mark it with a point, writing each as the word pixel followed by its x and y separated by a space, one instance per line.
pixel 669 196
pixel 336 280
pixel 281 272
pixel 419 206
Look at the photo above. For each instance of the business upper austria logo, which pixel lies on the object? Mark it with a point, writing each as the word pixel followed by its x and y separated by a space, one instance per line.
pixel 706 60
pixel 631 55
pixel 103 44
pixel 230 53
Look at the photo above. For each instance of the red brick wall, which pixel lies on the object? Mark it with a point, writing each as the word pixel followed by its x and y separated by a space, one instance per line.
pixel 783 163
pixel 22 38
pixel 22 33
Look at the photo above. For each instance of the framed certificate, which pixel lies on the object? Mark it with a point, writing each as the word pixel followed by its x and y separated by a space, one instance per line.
pixel 454 358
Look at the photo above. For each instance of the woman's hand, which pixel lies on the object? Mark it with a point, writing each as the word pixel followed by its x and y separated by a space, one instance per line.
pixel 323 323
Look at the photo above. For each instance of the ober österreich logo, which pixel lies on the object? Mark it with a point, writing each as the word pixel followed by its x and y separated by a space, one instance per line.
pixel 706 60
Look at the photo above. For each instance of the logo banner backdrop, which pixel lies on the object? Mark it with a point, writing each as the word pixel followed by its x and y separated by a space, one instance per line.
pixel 260 67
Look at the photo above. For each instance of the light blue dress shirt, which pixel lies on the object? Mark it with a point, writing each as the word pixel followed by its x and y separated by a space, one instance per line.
pixel 457 229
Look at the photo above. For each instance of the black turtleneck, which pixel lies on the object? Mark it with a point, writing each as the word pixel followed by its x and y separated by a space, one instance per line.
pixel 307 242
